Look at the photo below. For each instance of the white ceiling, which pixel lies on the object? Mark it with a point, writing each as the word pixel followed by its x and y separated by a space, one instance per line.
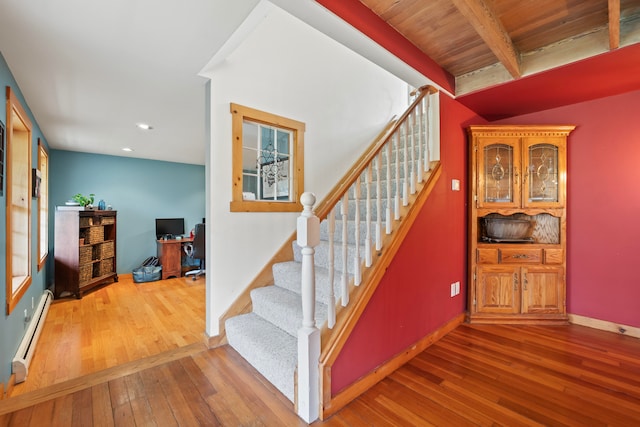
pixel 91 69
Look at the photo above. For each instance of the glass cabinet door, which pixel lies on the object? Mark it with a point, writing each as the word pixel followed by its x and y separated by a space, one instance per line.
pixel 498 172
pixel 544 176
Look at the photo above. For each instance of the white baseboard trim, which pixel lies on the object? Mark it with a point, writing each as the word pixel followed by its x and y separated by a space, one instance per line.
pixel 604 325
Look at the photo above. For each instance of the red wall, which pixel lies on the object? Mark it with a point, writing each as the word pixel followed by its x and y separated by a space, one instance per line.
pixel 603 206
pixel 413 298
pixel 603 234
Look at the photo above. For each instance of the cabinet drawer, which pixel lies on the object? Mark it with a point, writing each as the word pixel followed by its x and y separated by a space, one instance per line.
pixel 520 256
pixel 487 256
pixel 553 256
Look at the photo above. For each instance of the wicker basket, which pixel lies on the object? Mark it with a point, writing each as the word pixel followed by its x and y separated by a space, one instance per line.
pixel 96 234
pixel 106 250
pixel 86 273
pixel 86 221
pixel 106 266
pixel 108 220
pixel 86 253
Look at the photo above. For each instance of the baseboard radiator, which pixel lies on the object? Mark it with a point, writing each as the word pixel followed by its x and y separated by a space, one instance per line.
pixel 20 364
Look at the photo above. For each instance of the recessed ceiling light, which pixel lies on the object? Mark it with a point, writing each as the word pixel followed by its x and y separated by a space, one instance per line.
pixel 144 126
pixel 127 149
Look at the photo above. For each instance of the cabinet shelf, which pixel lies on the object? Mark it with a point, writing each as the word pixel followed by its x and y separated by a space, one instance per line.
pixel 81 267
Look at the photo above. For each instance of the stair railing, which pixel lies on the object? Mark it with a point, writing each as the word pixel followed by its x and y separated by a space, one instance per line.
pixel 399 157
pixel 408 142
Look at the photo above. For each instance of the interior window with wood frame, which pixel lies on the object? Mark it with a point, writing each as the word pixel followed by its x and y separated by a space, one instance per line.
pixel 41 191
pixel 268 161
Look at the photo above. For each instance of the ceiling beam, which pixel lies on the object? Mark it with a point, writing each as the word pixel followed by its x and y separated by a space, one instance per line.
pixel 614 24
pixel 491 30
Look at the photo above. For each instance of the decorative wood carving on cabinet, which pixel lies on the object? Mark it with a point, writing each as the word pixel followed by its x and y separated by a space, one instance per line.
pixel 85 250
pixel 517 224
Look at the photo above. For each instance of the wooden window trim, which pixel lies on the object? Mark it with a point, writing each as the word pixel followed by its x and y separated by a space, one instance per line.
pixel 43 207
pixel 240 114
pixel 17 119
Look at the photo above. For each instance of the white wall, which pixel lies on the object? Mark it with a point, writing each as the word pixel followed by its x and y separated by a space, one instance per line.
pixel 286 68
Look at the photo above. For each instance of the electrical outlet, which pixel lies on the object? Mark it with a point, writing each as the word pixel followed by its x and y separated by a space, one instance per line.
pixel 453 290
pixel 457 288
pixel 455 184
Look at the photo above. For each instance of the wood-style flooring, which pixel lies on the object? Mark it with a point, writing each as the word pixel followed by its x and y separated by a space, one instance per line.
pixel 478 375
pixel 115 324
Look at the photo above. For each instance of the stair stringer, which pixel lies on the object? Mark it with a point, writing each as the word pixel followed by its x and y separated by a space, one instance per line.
pixel 333 340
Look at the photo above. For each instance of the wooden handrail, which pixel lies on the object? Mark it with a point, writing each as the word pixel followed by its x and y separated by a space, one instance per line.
pixel 336 193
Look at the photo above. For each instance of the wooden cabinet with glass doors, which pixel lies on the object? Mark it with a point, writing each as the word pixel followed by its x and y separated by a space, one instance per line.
pixel 517 224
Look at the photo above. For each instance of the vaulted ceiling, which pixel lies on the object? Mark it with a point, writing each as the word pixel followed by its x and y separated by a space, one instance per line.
pixel 509 57
pixel 487 42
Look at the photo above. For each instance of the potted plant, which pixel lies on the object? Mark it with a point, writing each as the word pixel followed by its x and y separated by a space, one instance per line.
pixel 85 201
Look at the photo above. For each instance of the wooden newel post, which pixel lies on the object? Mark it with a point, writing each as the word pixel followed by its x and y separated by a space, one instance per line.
pixel 308 237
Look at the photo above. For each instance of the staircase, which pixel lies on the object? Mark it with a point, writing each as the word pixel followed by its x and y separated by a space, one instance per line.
pixel 368 205
pixel 267 337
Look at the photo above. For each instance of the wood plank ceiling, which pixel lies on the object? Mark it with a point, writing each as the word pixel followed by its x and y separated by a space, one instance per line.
pixel 488 42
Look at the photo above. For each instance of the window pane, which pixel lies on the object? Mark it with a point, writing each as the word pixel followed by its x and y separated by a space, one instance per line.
pixel 249 159
pixel 284 139
pixel 267 142
pixel 250 134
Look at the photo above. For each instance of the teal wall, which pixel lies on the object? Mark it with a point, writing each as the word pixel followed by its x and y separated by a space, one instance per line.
pixel 12 326
pixel 139 190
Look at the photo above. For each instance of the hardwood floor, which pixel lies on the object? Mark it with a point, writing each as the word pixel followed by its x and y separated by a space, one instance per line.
pixel 116 324
pixel 477 375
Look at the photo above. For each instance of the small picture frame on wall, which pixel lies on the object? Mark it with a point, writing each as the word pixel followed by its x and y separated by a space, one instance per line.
pixel 36 178
pixel 1 159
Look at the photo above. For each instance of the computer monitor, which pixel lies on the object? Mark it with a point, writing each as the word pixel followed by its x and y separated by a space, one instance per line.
pixel 169 227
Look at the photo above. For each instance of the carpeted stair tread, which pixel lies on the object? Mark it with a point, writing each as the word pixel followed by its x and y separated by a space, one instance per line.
pixel 321 257
pixel 283 308
pixel 269 349
pixel 288 275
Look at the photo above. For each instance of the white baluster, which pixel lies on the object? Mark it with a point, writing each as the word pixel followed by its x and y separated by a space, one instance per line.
pixel 427 131
pixel 419 119
pixel 331 306
pixel 405 183
pixel 396 205
pixel 344 211
pixel 387 217
pixel 357 276
pixel 308 237
pixel 412 179
pixel 378 204
pixel 367 243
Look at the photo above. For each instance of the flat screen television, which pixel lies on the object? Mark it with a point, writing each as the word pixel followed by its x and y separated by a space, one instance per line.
pixel 169 227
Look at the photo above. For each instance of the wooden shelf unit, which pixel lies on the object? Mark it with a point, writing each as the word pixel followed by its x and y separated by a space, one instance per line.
pixel 85 250
pixel 518 172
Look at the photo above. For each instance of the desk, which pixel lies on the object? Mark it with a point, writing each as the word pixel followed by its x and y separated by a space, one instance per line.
pixel 170 256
